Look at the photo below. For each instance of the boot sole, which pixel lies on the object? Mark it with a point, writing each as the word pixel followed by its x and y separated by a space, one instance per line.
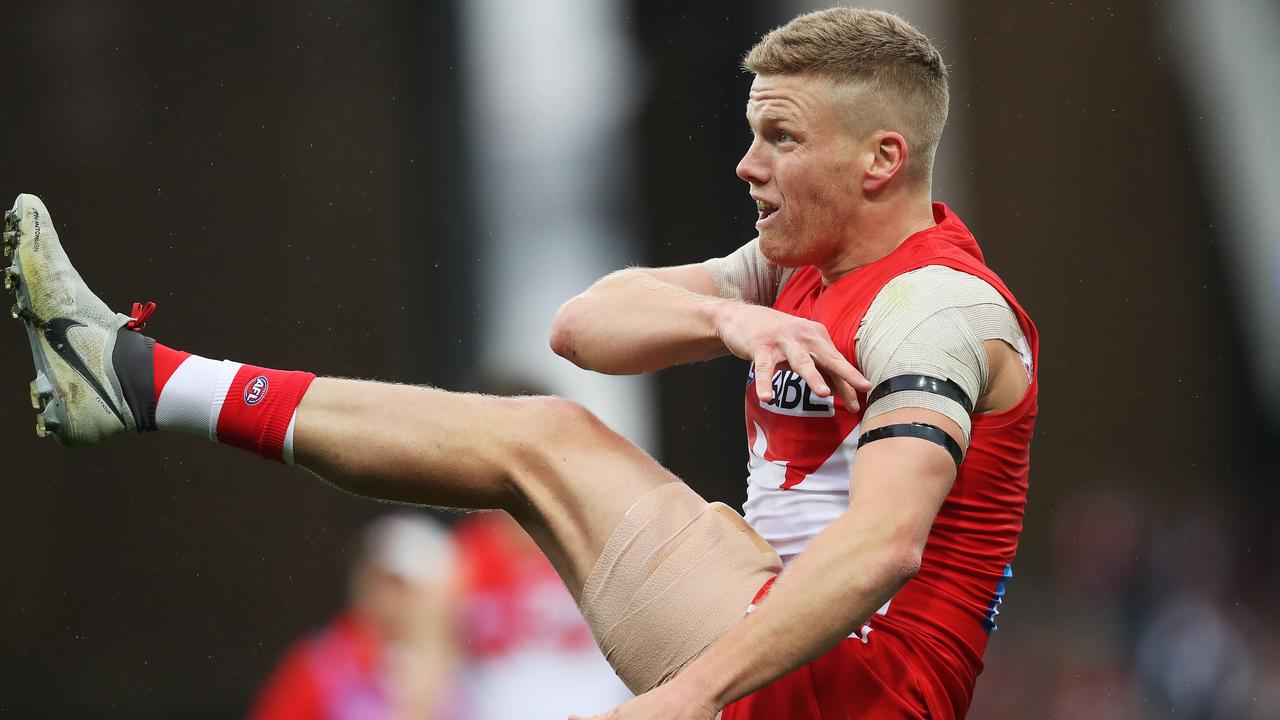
pixel 46 397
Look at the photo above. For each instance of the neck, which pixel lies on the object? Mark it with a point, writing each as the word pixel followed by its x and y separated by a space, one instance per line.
pixel 882 227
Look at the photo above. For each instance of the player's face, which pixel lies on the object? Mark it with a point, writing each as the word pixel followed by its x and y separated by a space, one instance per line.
pixel 801 167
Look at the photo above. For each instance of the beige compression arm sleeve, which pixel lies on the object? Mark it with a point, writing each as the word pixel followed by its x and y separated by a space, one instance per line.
pixel 933 321
pixel 746 275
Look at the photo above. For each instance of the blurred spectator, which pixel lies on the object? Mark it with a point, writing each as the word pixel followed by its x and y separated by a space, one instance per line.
pixel 1144 614
pixel 391 653
pixel 1194 659
pixel 1191 651
pixel 529 653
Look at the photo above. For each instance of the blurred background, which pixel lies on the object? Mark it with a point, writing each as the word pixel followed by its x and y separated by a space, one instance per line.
pixel 408 189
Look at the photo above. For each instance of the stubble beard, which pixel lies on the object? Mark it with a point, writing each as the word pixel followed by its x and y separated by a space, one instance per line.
pixel 779 249
pixel 788 246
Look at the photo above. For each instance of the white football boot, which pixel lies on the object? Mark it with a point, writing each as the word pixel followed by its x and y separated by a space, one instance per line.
pixel 77 342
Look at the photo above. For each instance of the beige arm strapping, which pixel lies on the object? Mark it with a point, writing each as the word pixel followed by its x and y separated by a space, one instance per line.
pixel 746 275
pixel 933 321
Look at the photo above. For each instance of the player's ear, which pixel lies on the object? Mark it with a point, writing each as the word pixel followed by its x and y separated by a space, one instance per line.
pixel 886 157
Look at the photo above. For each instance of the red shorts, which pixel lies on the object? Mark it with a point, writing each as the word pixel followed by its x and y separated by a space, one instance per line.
pixel 875 680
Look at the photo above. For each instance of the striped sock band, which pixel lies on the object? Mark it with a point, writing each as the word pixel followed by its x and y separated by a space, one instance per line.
pixel 245 406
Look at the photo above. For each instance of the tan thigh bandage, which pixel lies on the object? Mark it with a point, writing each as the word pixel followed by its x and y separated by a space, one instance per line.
pixel 675 574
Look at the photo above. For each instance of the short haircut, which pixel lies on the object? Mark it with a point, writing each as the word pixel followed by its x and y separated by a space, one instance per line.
pixel 875 52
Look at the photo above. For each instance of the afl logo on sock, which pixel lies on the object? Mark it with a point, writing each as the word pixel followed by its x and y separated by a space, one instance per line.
pixel 255 390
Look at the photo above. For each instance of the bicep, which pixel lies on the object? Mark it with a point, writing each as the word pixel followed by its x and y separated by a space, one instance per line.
pixel 924 345
pixel 899 483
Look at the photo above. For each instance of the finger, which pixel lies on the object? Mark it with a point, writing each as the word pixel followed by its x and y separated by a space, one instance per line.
pixel 847 379
pixel 847 393
pixel 860 381
pixel 802 364
pixel 764 377
pixel 838 366
pixel 833 362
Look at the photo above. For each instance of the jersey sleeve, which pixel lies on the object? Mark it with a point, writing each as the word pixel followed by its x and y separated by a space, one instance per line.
pixel 934 321
pixel 747 275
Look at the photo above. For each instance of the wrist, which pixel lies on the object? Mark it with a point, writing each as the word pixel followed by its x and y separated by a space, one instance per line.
pixel 696 688
pixel 718 313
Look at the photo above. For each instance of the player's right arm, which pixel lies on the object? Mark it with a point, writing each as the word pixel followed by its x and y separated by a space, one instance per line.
pixel 641 319
pixel 645 319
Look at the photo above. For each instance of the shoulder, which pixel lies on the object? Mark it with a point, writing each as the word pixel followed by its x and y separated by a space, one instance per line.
pixel 909 299
pixel 934 321
pixel 937 286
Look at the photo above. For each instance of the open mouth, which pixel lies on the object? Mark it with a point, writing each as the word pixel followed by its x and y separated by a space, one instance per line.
pixel 765 209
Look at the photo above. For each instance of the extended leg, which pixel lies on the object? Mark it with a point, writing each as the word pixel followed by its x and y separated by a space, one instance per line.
pixel 565 476
pixel 657 584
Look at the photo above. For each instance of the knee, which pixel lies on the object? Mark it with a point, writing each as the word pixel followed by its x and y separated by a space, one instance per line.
pixel 544 441
pixel 549 420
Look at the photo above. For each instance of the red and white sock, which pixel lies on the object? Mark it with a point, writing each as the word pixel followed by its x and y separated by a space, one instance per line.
pixel 245 406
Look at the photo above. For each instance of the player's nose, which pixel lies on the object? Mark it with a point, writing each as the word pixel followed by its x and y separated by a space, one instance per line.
pixel 754 166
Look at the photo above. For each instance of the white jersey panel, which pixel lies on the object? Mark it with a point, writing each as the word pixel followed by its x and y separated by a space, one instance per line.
pixel 789 519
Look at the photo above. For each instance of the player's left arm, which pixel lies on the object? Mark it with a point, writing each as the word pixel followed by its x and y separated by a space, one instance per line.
pixel 849 570
pixel 843 576
pixel 858 562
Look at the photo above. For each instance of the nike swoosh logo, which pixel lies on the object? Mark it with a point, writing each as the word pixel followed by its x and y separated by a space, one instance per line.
pixel 55 333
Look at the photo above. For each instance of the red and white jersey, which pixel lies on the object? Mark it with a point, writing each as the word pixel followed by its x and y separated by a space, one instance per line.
pixel 802 449
pixel 798 471
pixel 528 652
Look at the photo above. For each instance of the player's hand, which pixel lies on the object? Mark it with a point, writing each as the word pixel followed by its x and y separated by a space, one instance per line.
pixel 665 702
pixel 774 340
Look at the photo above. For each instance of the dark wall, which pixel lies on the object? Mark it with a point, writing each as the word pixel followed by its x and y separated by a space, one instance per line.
pixel 259 170
pixel 692 129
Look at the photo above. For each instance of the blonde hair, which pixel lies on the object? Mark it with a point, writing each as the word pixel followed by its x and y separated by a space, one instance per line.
pixel 877 53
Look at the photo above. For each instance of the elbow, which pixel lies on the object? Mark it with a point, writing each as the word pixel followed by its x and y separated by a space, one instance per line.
pixel 907 564
pixel 901 563
pixel 576 327
pixel 566 330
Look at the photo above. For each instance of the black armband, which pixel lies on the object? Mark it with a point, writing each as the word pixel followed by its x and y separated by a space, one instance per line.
pixel 924 431
pixel 949 389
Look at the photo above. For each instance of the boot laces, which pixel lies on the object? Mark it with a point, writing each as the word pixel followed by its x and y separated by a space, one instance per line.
pixel 141 313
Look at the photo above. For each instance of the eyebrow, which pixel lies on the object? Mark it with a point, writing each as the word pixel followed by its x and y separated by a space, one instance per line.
pixel 772 116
